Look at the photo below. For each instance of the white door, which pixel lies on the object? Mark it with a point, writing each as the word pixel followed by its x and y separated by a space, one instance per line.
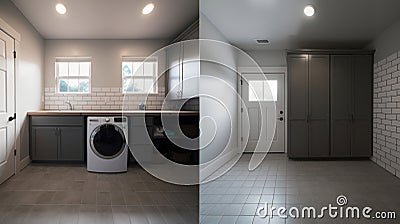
pixel 7 123
pixel 260 106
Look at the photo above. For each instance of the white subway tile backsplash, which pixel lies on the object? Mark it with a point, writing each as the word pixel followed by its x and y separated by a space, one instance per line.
pixel 96 107
pixel 102 99
pixel 115 90
pixel 95 90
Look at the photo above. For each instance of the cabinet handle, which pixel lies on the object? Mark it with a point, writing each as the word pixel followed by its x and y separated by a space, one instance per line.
pixel 56 131
pixel 179 94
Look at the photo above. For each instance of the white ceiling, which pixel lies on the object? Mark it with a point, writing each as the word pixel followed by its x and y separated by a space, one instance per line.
pixel 337 23
pixel 109 19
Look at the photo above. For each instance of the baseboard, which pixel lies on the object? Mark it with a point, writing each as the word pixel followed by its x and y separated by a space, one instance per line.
pixel 23 163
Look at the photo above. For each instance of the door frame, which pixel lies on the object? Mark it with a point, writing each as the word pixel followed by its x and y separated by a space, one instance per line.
pixel 264 70
pixel 18 164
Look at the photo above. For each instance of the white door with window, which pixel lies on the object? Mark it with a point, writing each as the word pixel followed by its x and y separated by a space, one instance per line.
pixel 260 104
pixel 7 118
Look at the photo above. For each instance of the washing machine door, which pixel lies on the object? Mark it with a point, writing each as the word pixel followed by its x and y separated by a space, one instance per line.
pixel 107 141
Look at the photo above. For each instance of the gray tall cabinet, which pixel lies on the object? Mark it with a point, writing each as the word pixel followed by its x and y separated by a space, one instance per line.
pixel 329 104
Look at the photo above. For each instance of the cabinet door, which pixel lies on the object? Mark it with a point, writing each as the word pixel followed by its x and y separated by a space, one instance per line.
pixel 44 143
pixel 191 69
pixel 71 144
pixel 319 102
pixel 362 122
pixel 298 105
pixel 341 107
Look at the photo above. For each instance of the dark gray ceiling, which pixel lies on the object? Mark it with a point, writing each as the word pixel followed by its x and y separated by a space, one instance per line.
pixel 336 24
pixel 109 19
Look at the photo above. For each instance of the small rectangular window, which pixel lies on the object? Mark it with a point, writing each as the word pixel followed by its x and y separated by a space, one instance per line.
pixel 258 90
pixel 139 75
pixel 73 75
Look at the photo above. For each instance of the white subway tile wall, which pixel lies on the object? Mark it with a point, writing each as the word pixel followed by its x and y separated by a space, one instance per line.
pixel 103 99
pixel 386 125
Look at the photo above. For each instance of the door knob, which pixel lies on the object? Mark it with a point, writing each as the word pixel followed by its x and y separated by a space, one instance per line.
pixel 12 118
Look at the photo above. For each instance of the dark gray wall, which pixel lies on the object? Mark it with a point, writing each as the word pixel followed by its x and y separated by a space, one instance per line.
pixel 264 58
pixel 386 43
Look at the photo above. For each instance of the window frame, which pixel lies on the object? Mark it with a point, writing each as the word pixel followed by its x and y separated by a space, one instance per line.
pixel 72 60
pixel 264 83
pixel 154 77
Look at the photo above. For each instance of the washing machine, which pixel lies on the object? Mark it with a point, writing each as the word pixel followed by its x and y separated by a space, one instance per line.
pixel 107 144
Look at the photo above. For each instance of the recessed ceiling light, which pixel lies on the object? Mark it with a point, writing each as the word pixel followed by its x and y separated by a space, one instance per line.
pixel 148 9
pixel 309 10
pixel 61 9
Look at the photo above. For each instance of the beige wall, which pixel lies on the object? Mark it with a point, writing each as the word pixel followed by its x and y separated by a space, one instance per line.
pixel 29 72
pixel 106 57
pixel 106 80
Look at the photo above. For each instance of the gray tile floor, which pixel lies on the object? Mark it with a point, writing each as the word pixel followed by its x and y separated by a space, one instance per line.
pixel 280 182
pixel 69 194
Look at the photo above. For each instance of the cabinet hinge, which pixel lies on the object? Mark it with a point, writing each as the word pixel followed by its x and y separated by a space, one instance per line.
pixel 15 152
pixel 241 82
pixel 241 109
pixel 241 139
pixel 15 54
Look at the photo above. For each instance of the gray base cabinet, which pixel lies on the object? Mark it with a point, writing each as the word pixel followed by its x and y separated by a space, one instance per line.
pixel 329 104
pixel 71 147
pixel 44 143
pixel 57 138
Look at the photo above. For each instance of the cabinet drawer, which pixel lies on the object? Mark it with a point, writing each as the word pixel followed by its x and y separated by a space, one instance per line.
pixel 57 120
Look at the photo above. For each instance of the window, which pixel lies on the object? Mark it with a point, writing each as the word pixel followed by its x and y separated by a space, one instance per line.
pixel 258 90
pixel 73 75
pixel 139 75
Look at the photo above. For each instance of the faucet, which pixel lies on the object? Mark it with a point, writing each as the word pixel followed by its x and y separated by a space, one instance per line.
pixel 69 105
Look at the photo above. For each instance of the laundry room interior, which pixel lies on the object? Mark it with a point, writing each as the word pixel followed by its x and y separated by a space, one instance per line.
pixel 198 111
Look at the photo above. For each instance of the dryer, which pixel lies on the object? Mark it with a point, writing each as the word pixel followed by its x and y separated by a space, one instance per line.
pixel 107 144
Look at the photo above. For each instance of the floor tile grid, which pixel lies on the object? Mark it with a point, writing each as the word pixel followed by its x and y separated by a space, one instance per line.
pixel 42 193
